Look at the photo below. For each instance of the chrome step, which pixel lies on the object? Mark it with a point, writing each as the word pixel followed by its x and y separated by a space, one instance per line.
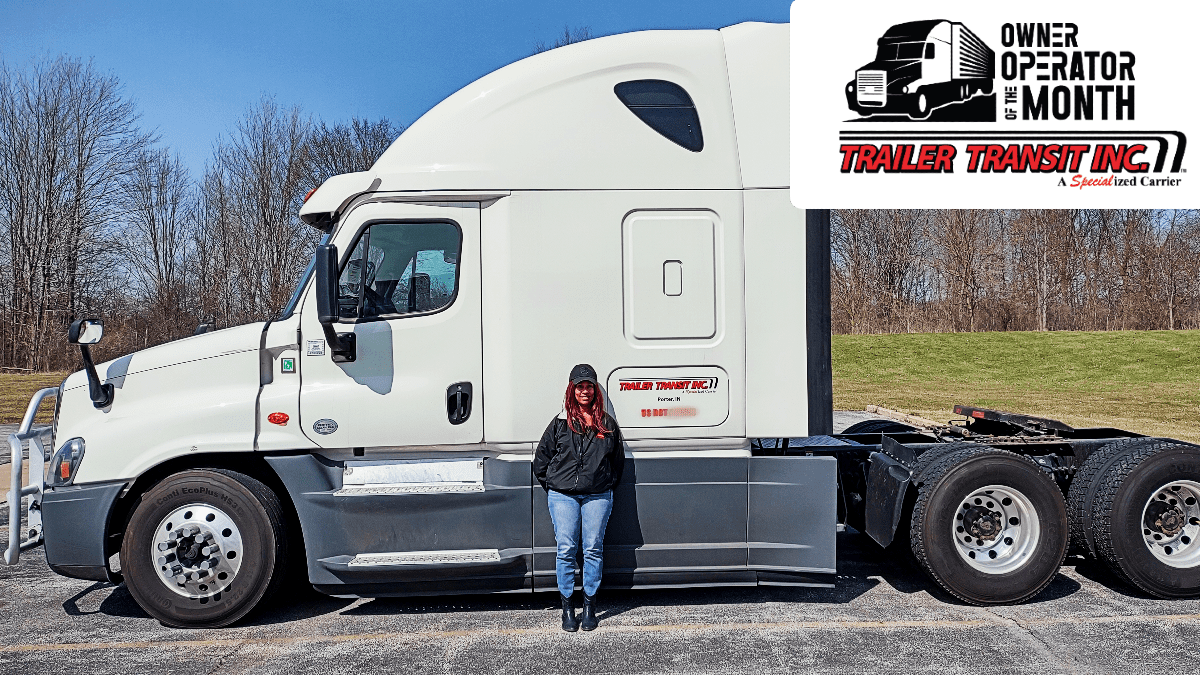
pixel 482 555
pixel 407 489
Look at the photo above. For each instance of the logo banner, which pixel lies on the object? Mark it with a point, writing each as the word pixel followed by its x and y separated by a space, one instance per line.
pixel 1009 105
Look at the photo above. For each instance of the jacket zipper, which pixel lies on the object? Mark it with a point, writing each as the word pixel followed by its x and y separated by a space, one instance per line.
pixel 579 454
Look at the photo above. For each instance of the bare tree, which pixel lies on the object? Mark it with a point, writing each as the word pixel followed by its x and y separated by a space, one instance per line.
pixel 66 138
pixel 157 203
pixel 568 36
pixel 252 193
pixel 877 270
pixel 346 148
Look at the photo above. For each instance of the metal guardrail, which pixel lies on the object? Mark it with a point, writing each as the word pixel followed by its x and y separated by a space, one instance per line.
pixel 37 477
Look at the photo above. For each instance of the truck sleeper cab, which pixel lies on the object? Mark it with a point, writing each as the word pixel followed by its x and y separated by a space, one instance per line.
pixel 377 436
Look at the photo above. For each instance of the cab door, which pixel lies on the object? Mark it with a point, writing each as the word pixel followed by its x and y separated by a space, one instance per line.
pixel 402 496
pixel 409 294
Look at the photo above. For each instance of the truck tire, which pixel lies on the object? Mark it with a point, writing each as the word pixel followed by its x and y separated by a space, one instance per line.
pixel 989 526
pixel 921 106
pixel 204 547
pixel 932 455
pixel 1146 518
pixel 878 427
pixel 1086 483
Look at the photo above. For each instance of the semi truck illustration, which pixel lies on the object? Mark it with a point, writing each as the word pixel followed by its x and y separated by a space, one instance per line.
pixel 375 437
pixel 921 66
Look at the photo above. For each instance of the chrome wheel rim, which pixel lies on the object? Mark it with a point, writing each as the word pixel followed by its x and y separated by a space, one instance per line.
pixel 197 551
pixel 1171 523
pixel 996 529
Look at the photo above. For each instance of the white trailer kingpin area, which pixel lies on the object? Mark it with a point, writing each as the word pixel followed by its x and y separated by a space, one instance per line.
pixel 376 437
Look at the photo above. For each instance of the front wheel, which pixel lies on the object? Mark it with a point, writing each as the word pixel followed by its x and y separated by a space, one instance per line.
pixel 989 526
pixel 921 108
pixel 204 547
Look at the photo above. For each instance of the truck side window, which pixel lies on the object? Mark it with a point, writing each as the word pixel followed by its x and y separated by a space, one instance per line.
pixel 929 50
pixel 666 108
pixel 401 268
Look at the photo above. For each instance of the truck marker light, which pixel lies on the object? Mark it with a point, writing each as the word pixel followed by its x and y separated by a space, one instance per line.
pixel 977 414
pixel 309 194
pixel 64 469
pixel 278 418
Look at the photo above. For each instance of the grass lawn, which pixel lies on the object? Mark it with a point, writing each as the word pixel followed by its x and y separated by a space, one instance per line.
pixel 1143 381
pixel 16 390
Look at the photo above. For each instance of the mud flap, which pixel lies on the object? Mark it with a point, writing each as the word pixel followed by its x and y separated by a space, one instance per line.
pixel 887 484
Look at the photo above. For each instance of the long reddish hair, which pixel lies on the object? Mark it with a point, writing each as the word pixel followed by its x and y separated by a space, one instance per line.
pixel 575 411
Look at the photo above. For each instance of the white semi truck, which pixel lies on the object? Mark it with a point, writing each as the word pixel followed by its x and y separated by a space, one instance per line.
pixel 921 66
pixel 624 202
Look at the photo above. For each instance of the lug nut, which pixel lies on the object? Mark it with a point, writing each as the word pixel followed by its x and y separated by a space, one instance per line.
pixel 180 579
pixel 209 550
pixel 207 536
pixel 201 574
pixel 177 570
pixel 209 564
pixel 166 545
pixel 164 559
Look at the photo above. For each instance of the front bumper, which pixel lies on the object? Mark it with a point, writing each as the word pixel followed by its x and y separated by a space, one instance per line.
pixel 75 521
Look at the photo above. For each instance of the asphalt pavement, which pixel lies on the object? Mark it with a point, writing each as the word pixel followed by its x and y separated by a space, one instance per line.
pixel 882 616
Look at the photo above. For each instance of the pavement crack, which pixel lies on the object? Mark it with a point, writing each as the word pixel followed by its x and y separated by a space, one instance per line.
pixel 1039 645
pixel 219 665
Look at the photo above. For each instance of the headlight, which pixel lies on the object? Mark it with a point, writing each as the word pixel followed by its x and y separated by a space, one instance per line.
pixel 64 463
pixel 904 90
pixel 850 88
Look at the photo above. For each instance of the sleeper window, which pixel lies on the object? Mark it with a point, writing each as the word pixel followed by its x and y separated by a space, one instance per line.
pixel 401 268
pixel 666 108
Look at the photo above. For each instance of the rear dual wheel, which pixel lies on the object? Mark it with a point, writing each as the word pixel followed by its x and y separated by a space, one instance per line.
pixel 1145 517
pixel 988 525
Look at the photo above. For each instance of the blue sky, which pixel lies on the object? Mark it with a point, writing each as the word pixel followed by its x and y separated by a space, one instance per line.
pixel 194 68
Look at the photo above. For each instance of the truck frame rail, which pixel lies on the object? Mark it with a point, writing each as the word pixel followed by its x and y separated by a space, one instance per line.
pixel 37 480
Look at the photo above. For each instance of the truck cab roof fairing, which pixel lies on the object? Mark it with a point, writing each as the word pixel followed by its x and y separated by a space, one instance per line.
pixel 552 121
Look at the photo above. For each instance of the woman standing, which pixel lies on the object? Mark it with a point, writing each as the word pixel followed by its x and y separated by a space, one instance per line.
pixel 578 462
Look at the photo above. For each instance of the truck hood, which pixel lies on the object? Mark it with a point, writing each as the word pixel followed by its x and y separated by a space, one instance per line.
pixel 198 347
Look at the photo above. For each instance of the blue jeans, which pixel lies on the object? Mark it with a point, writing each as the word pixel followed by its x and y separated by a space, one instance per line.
pixel 572 516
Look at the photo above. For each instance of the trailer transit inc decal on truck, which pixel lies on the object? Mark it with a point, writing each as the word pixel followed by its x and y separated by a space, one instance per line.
pixel 962 106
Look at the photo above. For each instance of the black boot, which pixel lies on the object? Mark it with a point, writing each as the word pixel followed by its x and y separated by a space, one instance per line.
pixel 589 612
pixel 570 623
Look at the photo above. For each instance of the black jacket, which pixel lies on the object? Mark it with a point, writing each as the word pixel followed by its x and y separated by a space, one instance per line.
pixel 579 464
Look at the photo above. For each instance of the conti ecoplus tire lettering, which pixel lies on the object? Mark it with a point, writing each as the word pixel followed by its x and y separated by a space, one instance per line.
pixel 1124 524
pixel 248 514
pixel 1037 548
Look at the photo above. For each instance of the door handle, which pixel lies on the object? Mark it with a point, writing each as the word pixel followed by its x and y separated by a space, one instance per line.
pixel 458 402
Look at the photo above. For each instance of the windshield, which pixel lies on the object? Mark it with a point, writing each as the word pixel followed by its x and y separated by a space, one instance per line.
pixel 295 299
pixel 900 51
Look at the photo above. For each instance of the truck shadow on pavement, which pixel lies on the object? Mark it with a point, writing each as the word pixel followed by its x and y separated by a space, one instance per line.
pixel 863 567
pixel 1097 571
pixel 294 606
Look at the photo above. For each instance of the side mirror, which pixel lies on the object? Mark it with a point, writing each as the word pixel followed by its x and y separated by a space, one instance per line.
pixel 327 284
pixel 341 345
pixel 86 332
